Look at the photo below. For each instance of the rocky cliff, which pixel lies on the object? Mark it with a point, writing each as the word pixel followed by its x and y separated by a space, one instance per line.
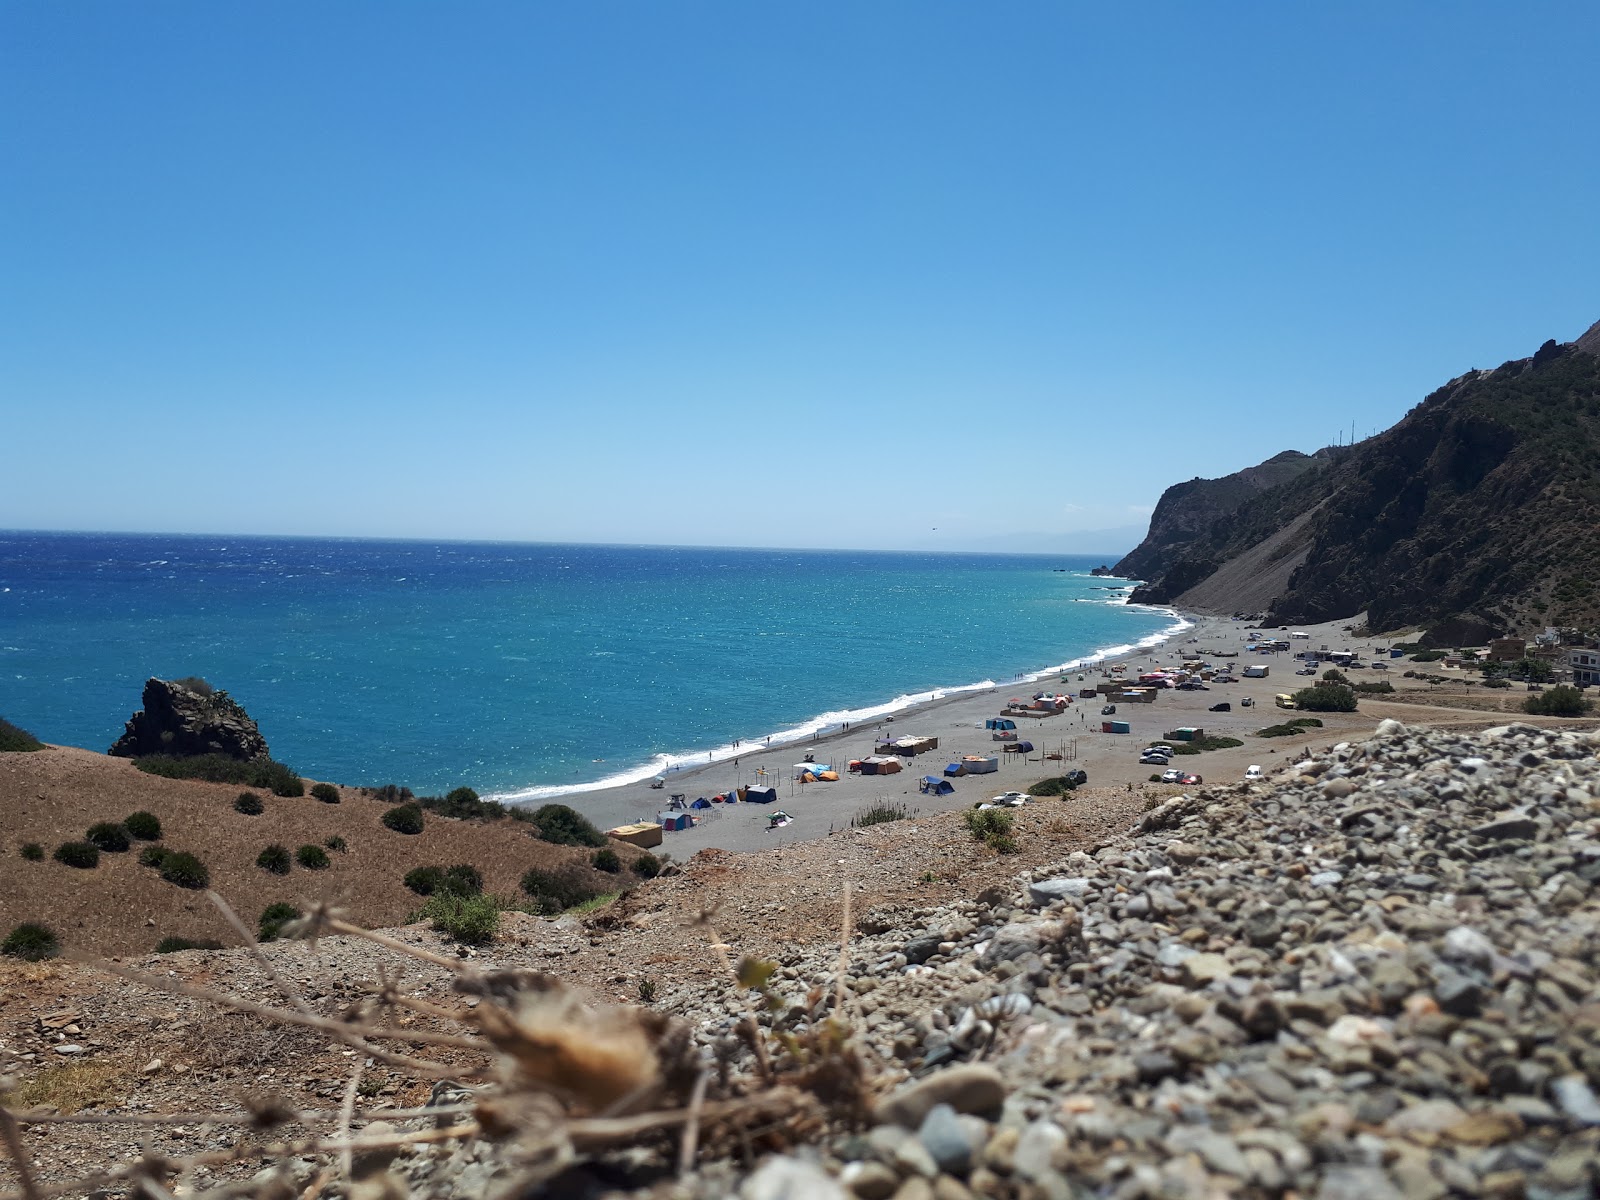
pixel 186 717
pixel 1480 504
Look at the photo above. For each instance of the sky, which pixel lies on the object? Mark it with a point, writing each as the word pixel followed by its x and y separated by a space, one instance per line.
pixel 889 275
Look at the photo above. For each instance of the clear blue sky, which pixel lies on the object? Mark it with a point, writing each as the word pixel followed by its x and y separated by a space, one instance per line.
pixel 825 275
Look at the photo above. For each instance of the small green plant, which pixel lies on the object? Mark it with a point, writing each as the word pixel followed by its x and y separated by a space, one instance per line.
pixel 144 826
pixel 274 858
pixel 14 740
pixel 647 991
pixel 171 945
pixel 463 879
pixel 273 918
pixel 993 827
pixel 471 920
pixel 325 792
pixel 1201 744
pixel 219 768
pixel 1381 688
pixel 249 804
pixel 1426 656
pixel 647 866
pixel 153 856
pixel 560 889
pixel 606 860
pixel 336 843
pixel 31 942
pixel 927 877
pixel 82 855
pixel 312 858
pixel 565 827
pixel 1563 700
pixel 184 869
pixel 1335 676
pixel 424 881
pixel 109 837
pixel 881 813
pixel 404 818
pixel 32 851
pixel 1157 778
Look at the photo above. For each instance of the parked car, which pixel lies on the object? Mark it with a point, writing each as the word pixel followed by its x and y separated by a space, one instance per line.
pixel 1159 748
pixel 1172 775
pixel 1191 779
pixel 1108 710
pixel 1380 666
pixel 1247 702
pixel 1223 707
pixel 1253 771
pixel 1154 760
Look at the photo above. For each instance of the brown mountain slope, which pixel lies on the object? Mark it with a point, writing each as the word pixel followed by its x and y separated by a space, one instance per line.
pixel 1483 501
pixel 54 795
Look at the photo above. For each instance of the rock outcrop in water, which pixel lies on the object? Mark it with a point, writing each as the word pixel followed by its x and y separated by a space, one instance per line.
pixel 185 717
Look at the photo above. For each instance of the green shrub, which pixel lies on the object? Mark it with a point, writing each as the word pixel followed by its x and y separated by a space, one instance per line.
pixel 1427 656
pixel 152 856
pixel 463 879
pixel 273 918
pixel 171 945
pixel 325 792
pixel 647 866
pixel 993 827
pixel 249 804
pixel 565 827
pixel 1563 700
pixel 78 854
pixel 1201 744
pixel 392 793
pixel 108 836
pixel 1326 697
pixel 471 920
pixel 32 851
pixel 407 818
pixel 336 843
pixel 880 813
pixel 1304 722
pixel 312 858
pixel 14 740
pixel 184 869
pixel 1279 731
pixel 1155 779
pixel 1381 688
pixel 606 860
pixel 274 858
pixel 31 942
pixel 463 804
pixel 219 768
pixel 1335 676
pixel 144 826
pixel 424 881
pixel 560 889
pixel 1496 683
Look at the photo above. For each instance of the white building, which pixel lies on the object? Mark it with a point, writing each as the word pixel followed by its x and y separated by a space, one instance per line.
pixel 1585 666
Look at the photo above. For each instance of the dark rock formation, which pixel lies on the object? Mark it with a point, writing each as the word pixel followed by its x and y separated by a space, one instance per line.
pixel 185 718
pixel 1480 505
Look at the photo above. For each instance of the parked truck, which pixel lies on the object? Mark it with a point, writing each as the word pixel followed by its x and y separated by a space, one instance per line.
pixel 1256 671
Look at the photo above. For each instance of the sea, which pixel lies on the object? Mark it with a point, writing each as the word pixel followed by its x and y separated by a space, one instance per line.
pixel 528 671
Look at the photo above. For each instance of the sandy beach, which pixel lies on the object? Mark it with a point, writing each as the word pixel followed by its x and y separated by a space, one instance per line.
pixel 1110 760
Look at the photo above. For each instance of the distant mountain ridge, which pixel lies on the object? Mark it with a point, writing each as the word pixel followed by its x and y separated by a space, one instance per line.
pixel 1482 503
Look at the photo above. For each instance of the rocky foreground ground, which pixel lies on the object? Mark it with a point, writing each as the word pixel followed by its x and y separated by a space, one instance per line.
pixel 1370 976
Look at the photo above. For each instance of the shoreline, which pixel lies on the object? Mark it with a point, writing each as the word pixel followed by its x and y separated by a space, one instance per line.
pixel 834 723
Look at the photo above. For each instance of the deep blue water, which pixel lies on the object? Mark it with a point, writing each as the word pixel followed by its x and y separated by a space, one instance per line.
pixel 509 667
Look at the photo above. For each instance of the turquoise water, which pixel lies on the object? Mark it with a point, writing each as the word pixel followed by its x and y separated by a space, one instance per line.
pixel 528 670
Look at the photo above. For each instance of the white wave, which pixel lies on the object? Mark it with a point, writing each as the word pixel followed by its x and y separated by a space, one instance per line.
pixel 828 722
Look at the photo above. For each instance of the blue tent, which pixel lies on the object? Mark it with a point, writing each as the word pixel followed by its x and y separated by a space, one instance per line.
pixel 999 723
pixel 934 786
pixel 956 769
pixel 701 803
pixel 757 795
pixel 1019 748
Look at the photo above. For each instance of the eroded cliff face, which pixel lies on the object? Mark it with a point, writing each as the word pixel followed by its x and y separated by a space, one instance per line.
pixel 185 718
pixel 1482 503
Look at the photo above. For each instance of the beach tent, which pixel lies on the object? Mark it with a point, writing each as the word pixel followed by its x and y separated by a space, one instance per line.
pixel 956 769
pixel 701 803
pixel 760 795
pixel 934 786
pixel 674 821
pixel 880 765
pixel 999 723
pixel 1019 748
pixel 828 776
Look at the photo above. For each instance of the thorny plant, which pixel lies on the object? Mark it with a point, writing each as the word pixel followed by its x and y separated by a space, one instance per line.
pixel 559 1081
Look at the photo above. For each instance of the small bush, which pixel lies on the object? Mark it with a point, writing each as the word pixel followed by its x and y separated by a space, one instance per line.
pixel 144 826
pixel 1496 683
pixel 336 843
pixel 108 836
pixel 184 869
pixel 219 768
pixel 1335 676
pixel 880 813
pixel 152 856
pixel 1381 688
pixel 993 827
pixel 273 918
pixel 392 793
pixel 249 804
pixel 1563 700
pixel 14 740
pixel 463 804
pixel 32 851
pixel 1427 656
pixel 171 945
pixel 325 792
pixel 274 858
pixel 561 888
pixel 31 942
pixel 1155 779
pixel 406 818
pixel 565 826
pixel 463 879
pixel 647 866
pixel 312 858
pixel 424 881
pixel 78 854
pixel 1326 697
pixel 647 991
pixel 606 860
pixel 472 920
pixel 1201 744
